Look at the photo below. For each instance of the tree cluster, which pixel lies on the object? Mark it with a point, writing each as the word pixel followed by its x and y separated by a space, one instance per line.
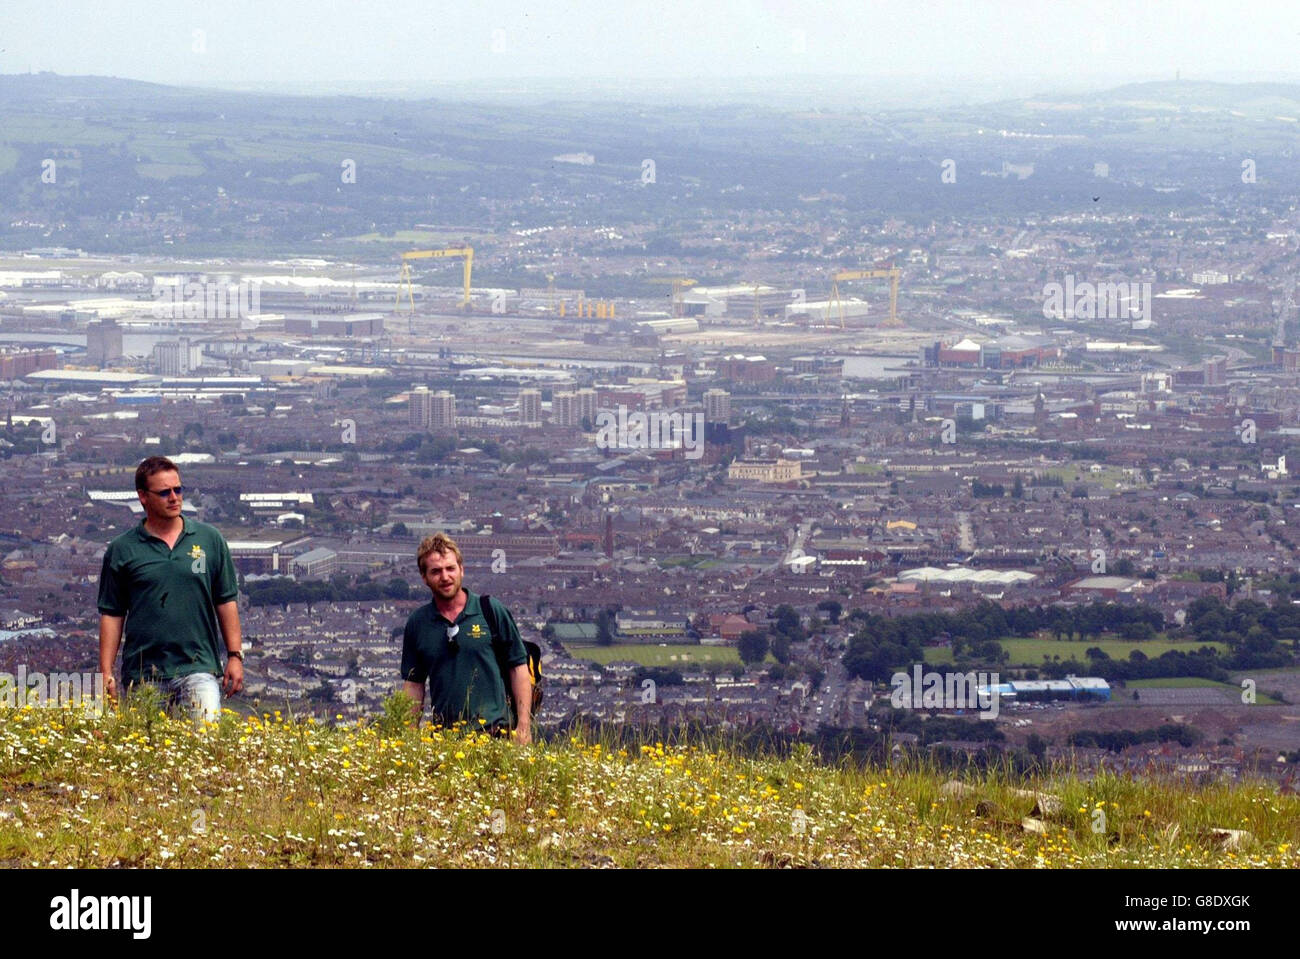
pixel 1185 736
pixel 284 592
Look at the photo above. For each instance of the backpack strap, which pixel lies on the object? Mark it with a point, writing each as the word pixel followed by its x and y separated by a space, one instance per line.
pixel 490 614
pixel 533 662
pixel 494 627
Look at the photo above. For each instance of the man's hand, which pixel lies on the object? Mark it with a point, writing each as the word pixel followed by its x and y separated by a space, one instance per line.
pixel 234 679
pixel 416 692
pixel 110 637
pixel 521 686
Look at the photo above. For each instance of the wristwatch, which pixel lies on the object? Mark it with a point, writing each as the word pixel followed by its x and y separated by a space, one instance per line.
pixel 235 654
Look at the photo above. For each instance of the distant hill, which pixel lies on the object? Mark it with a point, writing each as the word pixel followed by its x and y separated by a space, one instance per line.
pixel 1244 101
pixel 21 87
pixel 143 166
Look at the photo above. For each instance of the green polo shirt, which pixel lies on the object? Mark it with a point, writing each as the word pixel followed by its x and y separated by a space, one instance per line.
pixel 464 677
pixel 169 599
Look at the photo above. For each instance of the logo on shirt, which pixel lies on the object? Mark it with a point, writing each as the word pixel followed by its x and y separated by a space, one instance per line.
pixel 476 630
pixel 199 566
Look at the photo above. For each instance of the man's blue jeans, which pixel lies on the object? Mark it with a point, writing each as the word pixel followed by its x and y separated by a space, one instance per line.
pixel 199 692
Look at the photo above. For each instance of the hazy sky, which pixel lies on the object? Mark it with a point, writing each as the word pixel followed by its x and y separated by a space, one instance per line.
pixel 408 45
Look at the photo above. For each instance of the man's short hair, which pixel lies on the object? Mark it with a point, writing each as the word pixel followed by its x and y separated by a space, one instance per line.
pixel 154 464
pixel 437 543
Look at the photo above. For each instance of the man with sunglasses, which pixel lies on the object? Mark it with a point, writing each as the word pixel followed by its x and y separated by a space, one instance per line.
pixel 169 584
pixel 450 645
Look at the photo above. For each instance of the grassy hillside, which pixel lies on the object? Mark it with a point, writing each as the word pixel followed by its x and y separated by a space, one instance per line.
pixel 257 173
pixel 137 789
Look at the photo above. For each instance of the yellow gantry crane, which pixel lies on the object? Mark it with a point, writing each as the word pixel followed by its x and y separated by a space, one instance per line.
pixel 891 271
pixel 404 284
pixel 679 283
pixel 757 317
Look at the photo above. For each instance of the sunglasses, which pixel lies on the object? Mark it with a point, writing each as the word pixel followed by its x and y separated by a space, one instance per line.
pixel 452 632
pixel 168 491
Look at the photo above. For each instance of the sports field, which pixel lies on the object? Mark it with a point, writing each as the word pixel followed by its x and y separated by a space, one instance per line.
pixel 654 655
pixel 1030 652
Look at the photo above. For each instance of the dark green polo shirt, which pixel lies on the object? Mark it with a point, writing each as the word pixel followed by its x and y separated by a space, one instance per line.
pixel 169 599
pixel 464 678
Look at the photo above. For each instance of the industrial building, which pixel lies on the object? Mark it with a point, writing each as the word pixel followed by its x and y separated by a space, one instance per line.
pixel 315 562
pixel 1006 353
pixel 103 342
pixel 352 324
pixel 1071 687
pixel 996 577
pixel 22 362
pixel 177 357
pixel 851 311
pixel 742 300
pixel 85 379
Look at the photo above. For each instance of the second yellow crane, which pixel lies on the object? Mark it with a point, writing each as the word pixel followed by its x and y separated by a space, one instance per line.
pixel 836 304
pixel 680 284
pixel 404 284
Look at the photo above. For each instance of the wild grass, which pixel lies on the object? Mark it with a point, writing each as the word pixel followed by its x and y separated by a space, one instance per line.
pixel 136 788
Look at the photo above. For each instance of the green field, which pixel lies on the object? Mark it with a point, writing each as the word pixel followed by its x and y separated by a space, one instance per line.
pixel 1110 476
pixel 227 141
pixel 1030 652
pixel 163 149
pixel 1196 682
pixel 165 171
pixel 27 128
pixel 402 236
pixel 654 655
